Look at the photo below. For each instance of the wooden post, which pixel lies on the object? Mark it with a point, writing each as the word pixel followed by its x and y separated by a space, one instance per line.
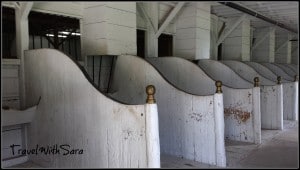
pixel 150 90
pixel 256 82
pixel 279 80
pixel 219 86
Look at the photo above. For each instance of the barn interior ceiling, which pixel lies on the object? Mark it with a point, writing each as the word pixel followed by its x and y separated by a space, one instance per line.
pixel 285 12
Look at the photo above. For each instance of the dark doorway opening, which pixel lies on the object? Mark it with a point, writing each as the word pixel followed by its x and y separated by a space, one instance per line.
pixel 165 45
pixel 220 52
pixel 140 43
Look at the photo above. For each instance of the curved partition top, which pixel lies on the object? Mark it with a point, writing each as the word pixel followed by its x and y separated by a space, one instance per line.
pixel 219 71
pixel 278 71
pixel 286 69
pixel 140 71
pixel 72 112
pixel 184 74
pixel 264 71
pixel 247 72
pixel 294 67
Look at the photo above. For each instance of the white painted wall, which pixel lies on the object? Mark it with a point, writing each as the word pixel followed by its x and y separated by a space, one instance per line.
pixel 193 31
pixel 265 51
pixel 237 102
pixel 290 95
pixel 10 83
pixel 191 126
pixel 71 111
pixel 271 107
pixel 278 71
pixel 237 45
pixel 247 72
pixel 242 114
pixel 268 103
pixel 109 28
pixel 283 48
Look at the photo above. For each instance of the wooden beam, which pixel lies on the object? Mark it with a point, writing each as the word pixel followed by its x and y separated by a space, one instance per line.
pixel 261 39
pixel 146 16
pixel 237 22
pixel 169 18
pixel 283 44
pixel 25 9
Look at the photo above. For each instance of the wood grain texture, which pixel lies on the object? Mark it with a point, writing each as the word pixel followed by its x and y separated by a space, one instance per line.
pixel 73 112
pixel 187 123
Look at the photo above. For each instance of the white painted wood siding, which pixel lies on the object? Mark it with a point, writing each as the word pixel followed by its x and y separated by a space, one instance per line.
pixel 10 83
pixel 237 102
pixel 290 94
pixel 271 107
pixel 73 112
pixel 188 124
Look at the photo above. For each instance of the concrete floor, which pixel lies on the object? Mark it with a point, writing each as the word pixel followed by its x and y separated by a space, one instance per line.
pixel 279 149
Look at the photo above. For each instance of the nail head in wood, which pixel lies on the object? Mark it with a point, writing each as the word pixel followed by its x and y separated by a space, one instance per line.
pixel 150 90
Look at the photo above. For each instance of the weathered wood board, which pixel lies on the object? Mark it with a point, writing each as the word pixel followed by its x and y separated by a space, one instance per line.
pixel 238 69
pixel 190 126
pixel 72 114
pixel 237 102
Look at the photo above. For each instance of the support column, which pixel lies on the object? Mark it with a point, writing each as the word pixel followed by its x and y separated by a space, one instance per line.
pixel 109 28
pixel 193 31
pixel 236 45
pixel 22 42
pixel 263 49
pixel 283 49
pixel 214 30
pixel 152 10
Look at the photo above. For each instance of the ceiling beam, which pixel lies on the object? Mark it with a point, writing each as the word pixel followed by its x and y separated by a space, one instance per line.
pixel 170 17
pixel 233 26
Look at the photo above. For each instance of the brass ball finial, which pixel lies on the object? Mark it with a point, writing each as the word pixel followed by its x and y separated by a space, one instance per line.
pixel 296 78
pixel 219 86
pixel 150 90
pixel 279 80
pixel 256 82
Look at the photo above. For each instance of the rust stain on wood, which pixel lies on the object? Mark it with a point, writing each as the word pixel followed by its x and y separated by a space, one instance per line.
pixel 239 115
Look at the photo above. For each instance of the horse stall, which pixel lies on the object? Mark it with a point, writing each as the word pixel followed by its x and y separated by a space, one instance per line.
pixel 290 90
pixel 247 72
pixel 77 126
pixel 241 112
pixel 190 126
pixel 270 94
pixel 294 67
pixel 286 69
